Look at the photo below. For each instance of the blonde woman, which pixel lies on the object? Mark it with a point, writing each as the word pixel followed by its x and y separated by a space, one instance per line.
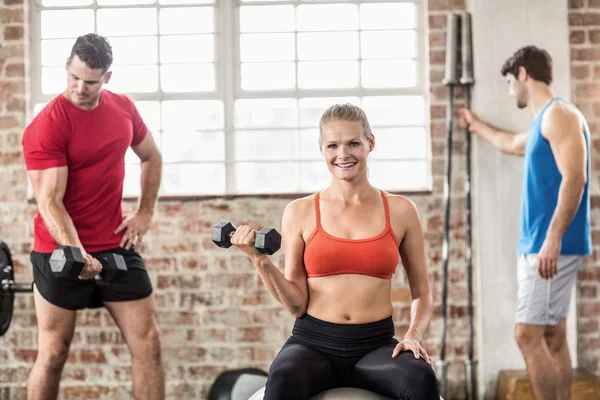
pixel 342 246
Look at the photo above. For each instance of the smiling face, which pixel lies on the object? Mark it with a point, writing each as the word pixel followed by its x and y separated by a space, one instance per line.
pixel 345 148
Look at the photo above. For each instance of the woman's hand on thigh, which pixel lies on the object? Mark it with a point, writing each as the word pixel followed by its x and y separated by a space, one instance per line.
pixel 411 344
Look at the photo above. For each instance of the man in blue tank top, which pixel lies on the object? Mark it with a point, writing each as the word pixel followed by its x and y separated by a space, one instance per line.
pixel 555 216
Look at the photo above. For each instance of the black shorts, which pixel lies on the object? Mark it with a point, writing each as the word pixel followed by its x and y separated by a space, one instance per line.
pixel 77 294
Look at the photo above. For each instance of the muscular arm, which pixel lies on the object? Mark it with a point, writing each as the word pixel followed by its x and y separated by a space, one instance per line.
pixel 290 289
pixel 562 128
pixel 412 252
pixel 49 187
pixel 151 170
pixel 506 142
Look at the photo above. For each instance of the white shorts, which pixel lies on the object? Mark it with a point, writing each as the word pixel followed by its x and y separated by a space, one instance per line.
pixel 544 301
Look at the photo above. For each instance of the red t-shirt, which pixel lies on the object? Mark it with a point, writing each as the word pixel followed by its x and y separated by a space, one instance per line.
pixel 92 144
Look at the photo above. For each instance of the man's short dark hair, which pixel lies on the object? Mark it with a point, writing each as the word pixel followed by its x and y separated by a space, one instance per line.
pixel 537 62
pixel 94 50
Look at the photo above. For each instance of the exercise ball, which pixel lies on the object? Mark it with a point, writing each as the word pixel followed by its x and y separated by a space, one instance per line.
pixel 237 384
pixel 334 394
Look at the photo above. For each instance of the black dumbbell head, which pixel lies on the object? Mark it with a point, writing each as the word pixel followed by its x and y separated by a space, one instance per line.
pixel 221 234
pixel 113 267
pixel 66 261
pixel 268 241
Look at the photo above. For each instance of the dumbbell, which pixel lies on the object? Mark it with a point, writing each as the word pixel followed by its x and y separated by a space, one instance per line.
pixel 267 240
pixel 67 262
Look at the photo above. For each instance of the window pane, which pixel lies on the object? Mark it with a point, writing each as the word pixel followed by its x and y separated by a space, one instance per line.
pixel 268 76
pixel 265 145
pixel 267 47
pixel 397 44
pixel 388 16
pixel 399 175
pixel 198 48
pixel 187 77
pixel 267 19
pixel 66 23
pixel 327 74
pixel 150 113
pixel 266 177
pixel 192 115
pixel 187 20
pixel 186 1
pixel 328 46
pixel 55 52
pixel 394 110
pixel 327 17
pixel 193 179
pixel 400 143
pixel 54 80
pixel 314 176
pixel 389 73
pixel 131 183
pixel 37 108
pixel 266 113
pixel 309 145
pixel 134 79
pixel 134 50
pixel 132 158
pixel 311 109
pixel 193 146
pixel 118 21
pixel 124 2
pixel 63 3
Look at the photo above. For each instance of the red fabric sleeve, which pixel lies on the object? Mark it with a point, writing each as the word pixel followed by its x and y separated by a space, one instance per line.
pixel 44 144
pixel 139 126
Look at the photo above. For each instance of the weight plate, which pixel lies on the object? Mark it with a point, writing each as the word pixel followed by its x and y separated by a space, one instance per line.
pixel 7 298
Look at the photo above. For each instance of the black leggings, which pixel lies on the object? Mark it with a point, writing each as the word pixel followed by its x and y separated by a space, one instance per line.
pixel 322 355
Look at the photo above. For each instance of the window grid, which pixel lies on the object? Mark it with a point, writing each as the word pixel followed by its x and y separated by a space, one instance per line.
pixel 227 63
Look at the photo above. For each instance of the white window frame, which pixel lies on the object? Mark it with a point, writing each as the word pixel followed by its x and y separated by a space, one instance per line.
pixel 227 63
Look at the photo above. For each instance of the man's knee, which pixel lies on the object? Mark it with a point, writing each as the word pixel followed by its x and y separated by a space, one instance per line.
pixel 556 338
pixel 53 356
pixel 146 346
pixel 528 337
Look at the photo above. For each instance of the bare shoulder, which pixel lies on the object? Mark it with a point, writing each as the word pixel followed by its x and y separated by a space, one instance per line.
pixel 298 210
pixel 561 118
pixel 402 208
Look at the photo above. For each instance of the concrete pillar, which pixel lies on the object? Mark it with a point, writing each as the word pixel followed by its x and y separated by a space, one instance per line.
pixel 500 28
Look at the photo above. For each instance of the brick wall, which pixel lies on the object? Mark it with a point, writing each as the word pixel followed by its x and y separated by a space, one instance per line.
pixel 584 21
pixel 214 313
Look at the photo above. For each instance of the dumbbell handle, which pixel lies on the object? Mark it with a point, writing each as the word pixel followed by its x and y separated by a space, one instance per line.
pixel 15 287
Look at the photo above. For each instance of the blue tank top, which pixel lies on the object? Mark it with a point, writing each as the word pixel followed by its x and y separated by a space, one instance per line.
pixel 541 183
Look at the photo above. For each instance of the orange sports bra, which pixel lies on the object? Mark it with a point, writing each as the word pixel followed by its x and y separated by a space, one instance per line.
pixel 377 256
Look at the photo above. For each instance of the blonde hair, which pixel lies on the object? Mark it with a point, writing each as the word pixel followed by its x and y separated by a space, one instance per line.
pixel 345 112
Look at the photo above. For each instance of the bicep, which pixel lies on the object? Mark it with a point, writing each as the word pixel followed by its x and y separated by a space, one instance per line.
pixel 293 248
pixel 49 185
pixel 570 154
pixel 412 252
pixel 565 135
pixel 44 145
pixel 146 148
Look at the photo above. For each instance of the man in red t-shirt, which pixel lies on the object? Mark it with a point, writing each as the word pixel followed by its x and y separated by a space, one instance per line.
pixel 74 151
